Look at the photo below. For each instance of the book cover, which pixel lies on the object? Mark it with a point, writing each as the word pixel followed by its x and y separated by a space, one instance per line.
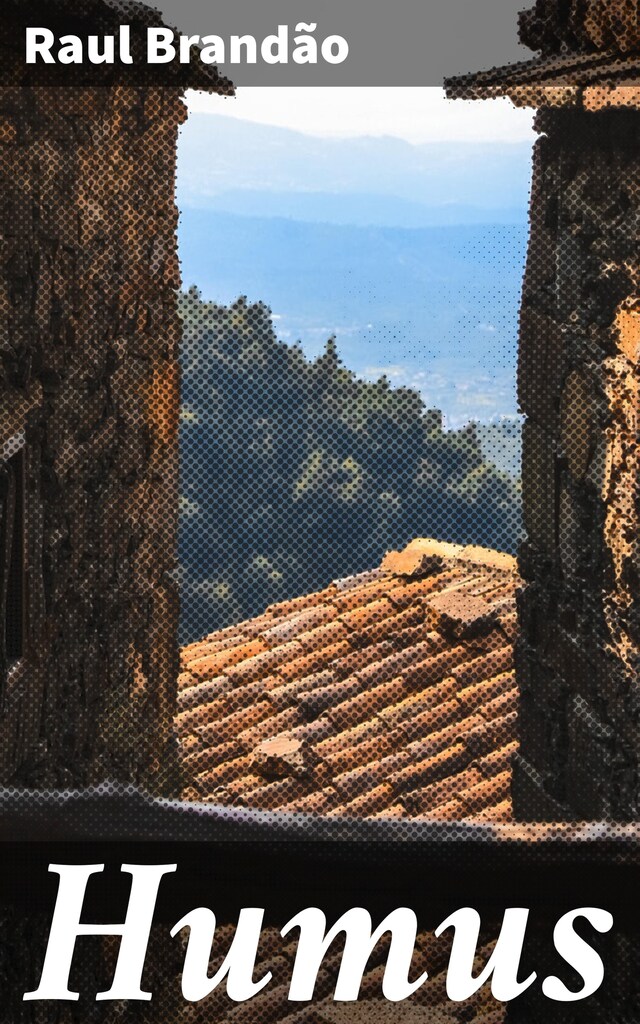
pixel 318 512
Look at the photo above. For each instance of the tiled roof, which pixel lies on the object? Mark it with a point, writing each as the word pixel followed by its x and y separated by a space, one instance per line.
pixel 388 694
pixel 555 80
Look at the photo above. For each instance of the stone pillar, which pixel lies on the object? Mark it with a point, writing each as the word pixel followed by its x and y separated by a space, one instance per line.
pixel 89 336
pixel 577 654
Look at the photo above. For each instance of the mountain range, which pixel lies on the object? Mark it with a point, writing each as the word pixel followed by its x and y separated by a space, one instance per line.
pixel 411 256
pixel 220 154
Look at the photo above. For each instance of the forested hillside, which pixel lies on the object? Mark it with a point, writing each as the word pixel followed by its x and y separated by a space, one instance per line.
pixel 296 472
pixel 438 306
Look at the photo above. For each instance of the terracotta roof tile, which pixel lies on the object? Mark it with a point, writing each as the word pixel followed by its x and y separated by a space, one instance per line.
pixel 501 705
pixel 231 726
pixel 357 597
pixel 435 730
pixel 355 660
pixel 371 802
pixel 275 794
pixel 498 760
pixel 279 756
pixel 263 664
pixel 269 726
pixel 450 811
pixel 419 702
pixel 287 694
pixel 254 627
pixel 297 604
pixel 363 706
pixel 203 758
pixel 199 693
pixel 484 738
pixel 345 738
pixel 243 696
pixel 218 641
pixel 372 748
pixel 410 636
pixel 478 693
pixel 419 556
pixel 359 580
pixel 313 703
pixel 367 614
pixel 313 661
pixel 407 592
pixel 437 665
pixel 509 624
pixel 459 612
pixel 207 665
pixel 321 801
pixel 420 801
pixel 395 811
pixel 208 781
pixel 485 792
pixel 241 786
pixel 394 664
pixel 418 774
pixel 366 777
pixel 323 635
pixel 314 732
pixel 390 693
pixel 412 563
pixel 476 670
pixel 396 623
pixel 492 559
pixel 300 622
pixel 435 723
pixel 185 680
pixel 496 813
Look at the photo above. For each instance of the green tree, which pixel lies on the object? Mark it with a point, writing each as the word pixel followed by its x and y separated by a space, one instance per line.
pixel 295 471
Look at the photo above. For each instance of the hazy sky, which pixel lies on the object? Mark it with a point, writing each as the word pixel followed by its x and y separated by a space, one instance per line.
pixel 414 114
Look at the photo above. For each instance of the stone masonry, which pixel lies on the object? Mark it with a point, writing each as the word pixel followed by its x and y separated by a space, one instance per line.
pixel 577 652
pixel 89 338
pixel 89 343
pixel 577 655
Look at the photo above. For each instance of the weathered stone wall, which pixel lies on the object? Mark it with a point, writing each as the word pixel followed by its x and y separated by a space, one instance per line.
pixel 577 656
pixel 560 26
pixel 88 346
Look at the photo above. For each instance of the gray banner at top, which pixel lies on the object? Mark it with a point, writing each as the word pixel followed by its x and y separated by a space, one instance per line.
pixel 391 42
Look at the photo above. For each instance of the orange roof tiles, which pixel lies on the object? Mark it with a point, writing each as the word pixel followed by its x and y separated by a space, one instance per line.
pixel 390 693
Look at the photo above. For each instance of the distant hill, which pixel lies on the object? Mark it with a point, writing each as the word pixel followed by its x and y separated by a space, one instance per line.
pixel 219 153
pixel 358 209
pixel 411 255
pixel 433 308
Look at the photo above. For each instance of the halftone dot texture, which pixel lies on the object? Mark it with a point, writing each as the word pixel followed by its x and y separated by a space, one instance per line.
pixel 429 1005
pixel 90 380
pixel 576 655
pixel 296 472
pixel 275 955
pixel 389 691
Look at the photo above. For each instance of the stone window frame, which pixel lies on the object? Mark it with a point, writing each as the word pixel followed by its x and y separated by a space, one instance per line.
pixel 14 670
